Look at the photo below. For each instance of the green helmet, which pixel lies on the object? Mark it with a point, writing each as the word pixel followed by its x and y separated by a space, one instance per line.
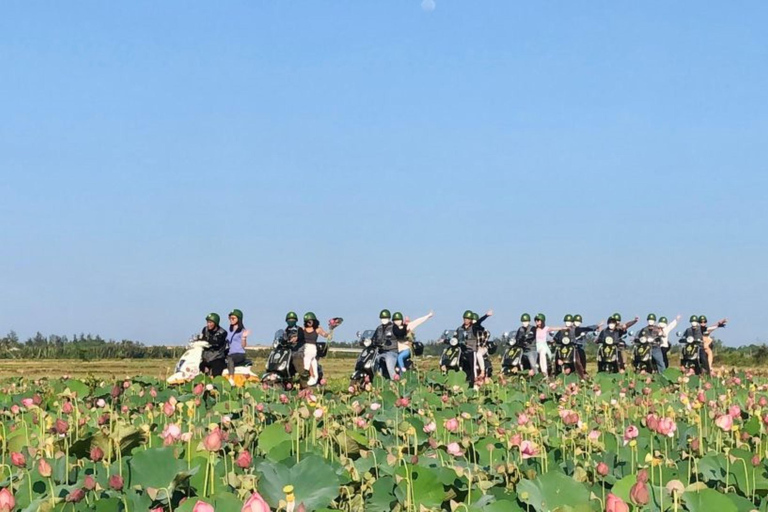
pixel 693 318
pixel 467 315
pixel 310 316
pixel 291 316
pixel 541 316
pixel 702 319
pixel 237 313
pixel 568 318
pixel 525 317
pixel 651 316
pixel 213 317
pixel 397 316
pixel 475 316
pixel 577 318
pixel 616 316
pixel 385 314
pixel 663 320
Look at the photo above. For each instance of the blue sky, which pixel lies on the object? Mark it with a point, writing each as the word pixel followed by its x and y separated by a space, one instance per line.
pixel 159 160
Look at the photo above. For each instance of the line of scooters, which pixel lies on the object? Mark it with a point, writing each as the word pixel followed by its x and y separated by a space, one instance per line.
pixel 284 359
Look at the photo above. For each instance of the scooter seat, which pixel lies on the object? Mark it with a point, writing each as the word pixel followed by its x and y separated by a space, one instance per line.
pixel 246 362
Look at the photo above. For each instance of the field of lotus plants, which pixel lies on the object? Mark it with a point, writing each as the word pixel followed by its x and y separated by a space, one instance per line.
pixel 423 443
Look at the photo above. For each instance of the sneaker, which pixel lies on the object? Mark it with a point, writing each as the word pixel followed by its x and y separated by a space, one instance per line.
pixel 312 381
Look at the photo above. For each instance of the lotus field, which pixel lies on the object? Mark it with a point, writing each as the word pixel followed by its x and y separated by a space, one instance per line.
pixel 424 443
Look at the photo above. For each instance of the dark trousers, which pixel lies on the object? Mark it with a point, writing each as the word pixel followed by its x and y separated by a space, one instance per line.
pixel 582 357
pixel 469 365
pixel 232 360
pixel 213 368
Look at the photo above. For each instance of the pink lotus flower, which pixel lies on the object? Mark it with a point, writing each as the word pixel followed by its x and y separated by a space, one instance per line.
pixel 528 449
pixel 594 435
pixel 602 469
pixel 171 432
pixel 96 454
pixel 186 437
pixel 652 422
pixel 639 493
pixel 725 422
pixel 244 460
pixel 403 402
pixel 615 504
pixel 522 419
pixel 153 393
pixel 516 440
pixel 283 398
pixel 318 413
pixel 18 460
pixel 255 504
pixel 89 483
pixel 452 425
pixel 375 406
pixel 75 496
pixel 202 506
pixel 454 449
pixel 168 409
pixel 15 409
pixel 734 411
pixel 198 389
pixel 213 441
pixel 27 402
pixel 430 427
pixel 116 482
pixel 666 427
pixel 67 408
pixel 7 501
pixel 60 426
pixel 630 433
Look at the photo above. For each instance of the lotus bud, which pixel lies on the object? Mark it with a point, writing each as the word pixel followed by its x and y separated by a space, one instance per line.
pixel 116 482
pixel 75 496
pixel 18 460
pixel 44 468
pixel 7 501
pixel 202 506
pixel 89 483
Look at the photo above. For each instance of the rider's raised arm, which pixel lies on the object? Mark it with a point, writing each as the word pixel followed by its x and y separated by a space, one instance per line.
pixel 630 323
pixel 413 324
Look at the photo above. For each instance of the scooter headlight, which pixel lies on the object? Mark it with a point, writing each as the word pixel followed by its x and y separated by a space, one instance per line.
pixel 566 341
pixel 609 341
pixel 643 340
pixel 454 342
pixel 367 342
pixel 689 339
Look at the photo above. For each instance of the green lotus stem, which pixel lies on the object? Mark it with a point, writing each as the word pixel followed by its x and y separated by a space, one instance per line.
pixel 29 484
pixel 50 485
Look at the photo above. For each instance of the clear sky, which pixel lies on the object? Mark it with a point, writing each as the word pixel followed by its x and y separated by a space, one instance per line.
pixel 160 160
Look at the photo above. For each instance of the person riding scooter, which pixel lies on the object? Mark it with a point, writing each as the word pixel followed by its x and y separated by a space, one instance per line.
pixel 214 358
pixel 579 334
pixel 526 338
pixel 652 334
pixel 384 339
pixel 469 334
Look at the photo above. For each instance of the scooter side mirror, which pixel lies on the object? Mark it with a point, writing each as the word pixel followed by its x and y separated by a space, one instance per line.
pixel 631 333
pixel 679 334
pixel 357 334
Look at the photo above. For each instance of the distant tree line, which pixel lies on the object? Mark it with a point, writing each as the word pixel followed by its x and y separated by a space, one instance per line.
pixel 83 347
pixel 93 347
